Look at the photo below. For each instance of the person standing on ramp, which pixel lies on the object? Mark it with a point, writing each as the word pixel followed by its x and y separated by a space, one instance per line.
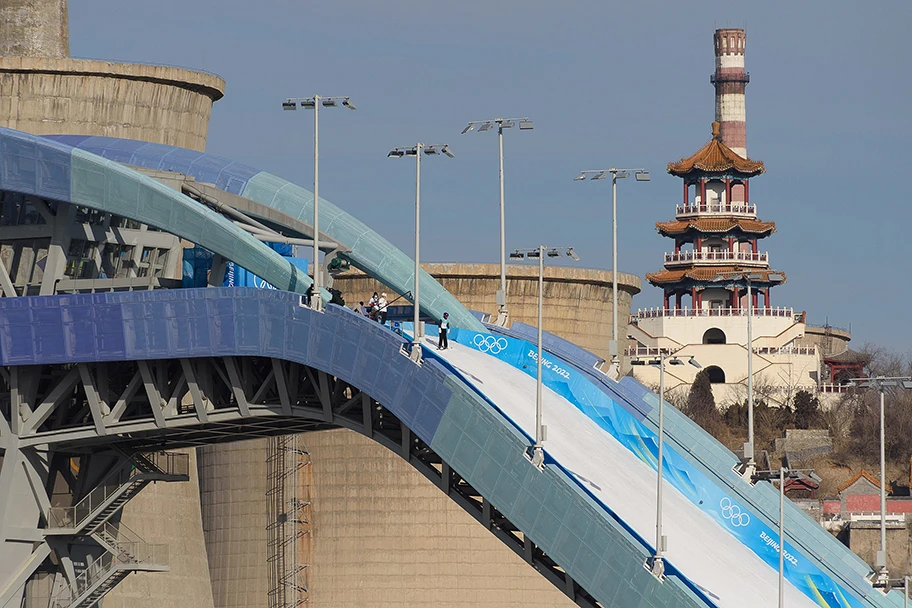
pixel 442 343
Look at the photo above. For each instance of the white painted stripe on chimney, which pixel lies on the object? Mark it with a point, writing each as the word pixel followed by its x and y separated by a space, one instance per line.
pixel 731 107
pixel 730 61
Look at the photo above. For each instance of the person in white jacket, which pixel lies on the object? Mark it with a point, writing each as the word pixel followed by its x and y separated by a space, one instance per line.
pixel 381 304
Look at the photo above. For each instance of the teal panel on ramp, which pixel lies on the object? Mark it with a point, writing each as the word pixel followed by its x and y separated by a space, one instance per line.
pixel 108 186
pixel 370 252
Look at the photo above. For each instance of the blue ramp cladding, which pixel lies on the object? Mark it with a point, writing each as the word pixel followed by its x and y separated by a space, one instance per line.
pixel 436 403
pixel 699 453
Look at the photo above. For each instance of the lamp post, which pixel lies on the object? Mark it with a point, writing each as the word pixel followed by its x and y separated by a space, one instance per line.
pixel 314 103
pixel 415 150
pixel 656 565
pixel 641 176
pixel 747 277
pixel 880 383
pixel 486 125
pixel 782 474
pixel 538 456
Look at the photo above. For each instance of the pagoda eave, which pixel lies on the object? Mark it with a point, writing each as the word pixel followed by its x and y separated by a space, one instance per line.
pixel 715 276
pixel 715 226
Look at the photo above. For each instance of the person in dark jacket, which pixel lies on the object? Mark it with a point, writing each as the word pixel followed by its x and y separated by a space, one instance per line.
pixel 442 343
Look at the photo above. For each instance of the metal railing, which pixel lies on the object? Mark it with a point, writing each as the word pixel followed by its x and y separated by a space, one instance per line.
pixel 129 553
pixel 720 208
pixel 828 387
pixel 716 256
pixel 650 351
pixel 165 463
pixel 785 350
pixel 654 313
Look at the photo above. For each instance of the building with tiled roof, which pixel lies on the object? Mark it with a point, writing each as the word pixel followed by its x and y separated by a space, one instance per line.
pixel 716 281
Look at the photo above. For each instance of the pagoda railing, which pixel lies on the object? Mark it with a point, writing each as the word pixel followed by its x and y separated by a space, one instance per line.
pixel 828 387
pixel 717 208
pixel 654 313
pixel 652 351
pixel 684 257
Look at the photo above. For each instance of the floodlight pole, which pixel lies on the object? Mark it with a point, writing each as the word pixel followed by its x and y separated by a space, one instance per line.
pixel 781 537
pixel 883 575
pixel 615 347
pixel 880 383
pixel 416 333
pixel 658 561
pixel 616 174
pixel 316 299
pixel 538 456
pixel 502 312
pixel 751 463
pixel 524 123
pixel 291 103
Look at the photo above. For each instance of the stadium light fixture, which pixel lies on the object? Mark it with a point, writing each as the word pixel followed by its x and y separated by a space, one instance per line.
pixel 538 455
pixel 501 124
pixel 879 384
pixel 313 103
pixel 616 174
pixel 415 150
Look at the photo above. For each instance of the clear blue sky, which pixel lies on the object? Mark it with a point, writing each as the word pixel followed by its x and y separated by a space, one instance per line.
pixel 607 84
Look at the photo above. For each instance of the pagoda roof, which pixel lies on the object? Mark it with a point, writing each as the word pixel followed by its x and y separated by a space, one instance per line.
pixel 716 157
pixel 715 225
pixel 705 274
pixel 848 356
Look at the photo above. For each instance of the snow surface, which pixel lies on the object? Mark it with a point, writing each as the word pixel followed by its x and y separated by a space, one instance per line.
pixel 729 572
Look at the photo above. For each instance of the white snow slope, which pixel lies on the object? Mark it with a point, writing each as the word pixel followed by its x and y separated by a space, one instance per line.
pixel 730 573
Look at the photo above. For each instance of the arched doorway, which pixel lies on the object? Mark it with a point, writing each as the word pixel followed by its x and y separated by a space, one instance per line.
pixel 714 335
pixel 716 375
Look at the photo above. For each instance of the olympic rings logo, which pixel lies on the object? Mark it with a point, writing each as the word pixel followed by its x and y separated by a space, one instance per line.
pixel 733 513
pixel 489 344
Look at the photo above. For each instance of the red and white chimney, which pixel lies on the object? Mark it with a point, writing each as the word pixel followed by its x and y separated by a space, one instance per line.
pixel 730 80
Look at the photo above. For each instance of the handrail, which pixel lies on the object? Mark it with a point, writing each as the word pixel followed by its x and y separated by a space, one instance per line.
pixel 167 463
pixel 691 208
pixel 716 256
pixel 652 313
pixel 133 551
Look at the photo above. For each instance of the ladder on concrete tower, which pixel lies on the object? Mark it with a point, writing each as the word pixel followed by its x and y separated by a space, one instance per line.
pixel 288 532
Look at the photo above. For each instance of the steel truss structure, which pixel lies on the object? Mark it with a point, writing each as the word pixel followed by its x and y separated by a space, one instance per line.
pixel 80 439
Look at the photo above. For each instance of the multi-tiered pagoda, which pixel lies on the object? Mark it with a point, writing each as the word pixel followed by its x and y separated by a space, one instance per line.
pixel 715 234
pixel 715 263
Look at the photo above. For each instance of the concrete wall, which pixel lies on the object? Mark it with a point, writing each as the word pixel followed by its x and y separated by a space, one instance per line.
pixel 577 301
pixel 233 494
pixel 86 97
pixel 34 28
pixel 831 342
pixel 383 535
pixel 864 540
pixel 168 513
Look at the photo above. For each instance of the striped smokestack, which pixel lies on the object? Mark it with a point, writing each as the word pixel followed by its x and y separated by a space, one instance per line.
pixel 730 80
